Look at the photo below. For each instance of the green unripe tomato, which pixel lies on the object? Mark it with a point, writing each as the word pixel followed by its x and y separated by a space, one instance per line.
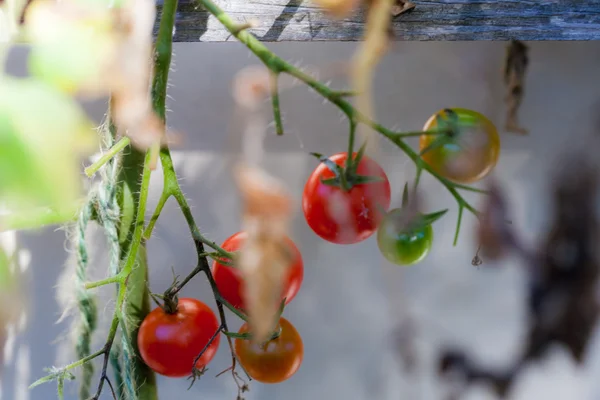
pixel 403 247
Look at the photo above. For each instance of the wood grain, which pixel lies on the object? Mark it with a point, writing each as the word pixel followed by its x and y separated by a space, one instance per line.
pixel 302 20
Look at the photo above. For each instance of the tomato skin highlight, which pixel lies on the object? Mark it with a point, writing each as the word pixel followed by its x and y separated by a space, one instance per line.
pixel 169 343
pixel 366 202
pixel 439 158
pixel 402 247
pixel 229 279
pixel 278 360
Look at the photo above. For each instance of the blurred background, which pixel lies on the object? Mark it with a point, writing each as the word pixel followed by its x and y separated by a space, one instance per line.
pixel 351 299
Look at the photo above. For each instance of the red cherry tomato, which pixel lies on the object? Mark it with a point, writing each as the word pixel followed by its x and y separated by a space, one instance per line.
pixel 229 279
pixel 275 361
pixel 365 203
pixel 169 343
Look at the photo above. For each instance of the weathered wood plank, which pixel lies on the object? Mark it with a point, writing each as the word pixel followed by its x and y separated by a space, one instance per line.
pixel 302 20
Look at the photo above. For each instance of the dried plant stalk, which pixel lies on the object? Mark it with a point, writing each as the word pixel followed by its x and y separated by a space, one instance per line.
pixel 264 258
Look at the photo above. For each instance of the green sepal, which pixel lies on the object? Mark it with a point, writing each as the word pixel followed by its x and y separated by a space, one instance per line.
pixel 333 167
pixel 430 218
pixel 359 156
pixel 405 195
pixel 331 182
pixel 362 179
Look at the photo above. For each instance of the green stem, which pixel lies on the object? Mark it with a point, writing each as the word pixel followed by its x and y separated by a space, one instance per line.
pixel 351 136
pixel 458 222
pixel 159 207
pixel 120 145
pixel 112 279
pixel 187 213
pixel 420 133
pixel 69 367
pixel 275 103
pixel 470 188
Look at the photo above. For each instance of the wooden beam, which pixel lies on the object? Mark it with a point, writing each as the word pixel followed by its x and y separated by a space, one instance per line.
pixel 302 20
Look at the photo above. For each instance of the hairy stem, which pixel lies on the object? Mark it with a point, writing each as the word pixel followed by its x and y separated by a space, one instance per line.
pixel 120 145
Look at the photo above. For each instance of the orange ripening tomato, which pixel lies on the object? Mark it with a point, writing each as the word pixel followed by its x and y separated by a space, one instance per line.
pixel 469 152
pixel 275 361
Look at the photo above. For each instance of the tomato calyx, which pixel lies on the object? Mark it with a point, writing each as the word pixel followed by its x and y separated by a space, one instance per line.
pixel 345 177
pixel 248 335
pixel 450 129
pixel 410 221
pixel 169 298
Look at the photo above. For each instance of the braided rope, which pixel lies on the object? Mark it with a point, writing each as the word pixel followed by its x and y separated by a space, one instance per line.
pixel 102 200
pixel 87 306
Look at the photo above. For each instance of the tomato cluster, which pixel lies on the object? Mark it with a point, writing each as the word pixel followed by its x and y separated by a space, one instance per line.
pixel 345 201
pixel 170 341
pixel 459 145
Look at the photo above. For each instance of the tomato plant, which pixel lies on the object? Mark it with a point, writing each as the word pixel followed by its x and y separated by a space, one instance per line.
pixel 470 149
pixel 274 361
pixel 321 201
pixel 229 279
pixel 169 342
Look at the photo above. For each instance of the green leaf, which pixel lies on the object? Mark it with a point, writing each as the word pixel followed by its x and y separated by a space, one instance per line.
pixel 43 134
pixel 333 167
pixel 405 195
pixel 362 179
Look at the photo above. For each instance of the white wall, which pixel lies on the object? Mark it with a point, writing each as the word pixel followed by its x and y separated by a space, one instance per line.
pixel 351 297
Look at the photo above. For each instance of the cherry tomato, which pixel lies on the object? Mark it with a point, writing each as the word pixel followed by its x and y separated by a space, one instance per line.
pixel 275 361
pixel 169 343
pixel 229 279
pixel 365 203
pixel 403 247
pixel 471 155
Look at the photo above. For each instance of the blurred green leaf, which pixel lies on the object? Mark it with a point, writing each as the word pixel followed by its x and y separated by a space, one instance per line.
pixel 43 134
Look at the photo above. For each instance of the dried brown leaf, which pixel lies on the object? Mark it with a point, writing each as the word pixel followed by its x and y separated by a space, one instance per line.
pixel 264 258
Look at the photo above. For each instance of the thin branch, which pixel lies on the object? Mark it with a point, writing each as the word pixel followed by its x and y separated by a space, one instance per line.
pixel 63 370
pixel 275 102
pixel 458 223
pixel 164 197
pixel 112 279
pixel 212 339
pixel 471 188
pixel 106 157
